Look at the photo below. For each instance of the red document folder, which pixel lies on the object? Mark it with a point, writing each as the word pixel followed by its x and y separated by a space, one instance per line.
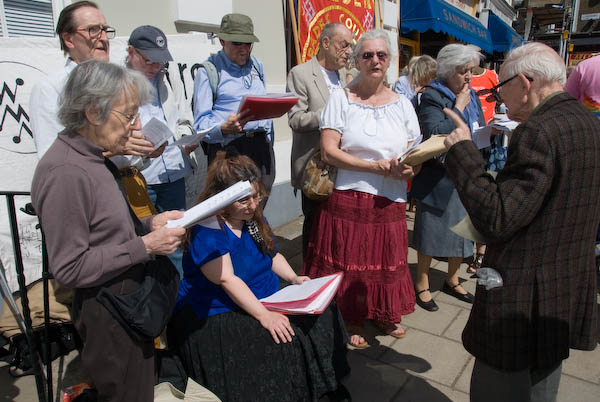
pixel 311 297
pixel 267 106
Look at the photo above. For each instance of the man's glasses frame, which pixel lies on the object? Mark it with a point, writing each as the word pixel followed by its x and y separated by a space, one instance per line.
pixel 149 62
pixel 94 31
pixel 242 44
pixel 493 91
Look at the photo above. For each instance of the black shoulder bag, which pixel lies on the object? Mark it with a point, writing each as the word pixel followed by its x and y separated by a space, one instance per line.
pixel 145 312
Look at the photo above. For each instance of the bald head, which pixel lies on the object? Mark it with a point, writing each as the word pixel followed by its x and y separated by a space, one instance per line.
pixel 335 46
pixel 538 61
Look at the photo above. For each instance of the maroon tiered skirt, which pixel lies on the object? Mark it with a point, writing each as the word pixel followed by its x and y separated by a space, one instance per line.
pixel 364 236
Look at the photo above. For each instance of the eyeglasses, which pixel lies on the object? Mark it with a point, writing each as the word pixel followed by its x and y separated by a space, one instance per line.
pixel 380 55
pixel 493 91
pixel 245 202
pixel 148 62
pixel 131 118
pixel 95 31
pixel 241 43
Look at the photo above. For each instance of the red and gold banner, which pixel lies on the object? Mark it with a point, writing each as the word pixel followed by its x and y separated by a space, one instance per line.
pixel 312 15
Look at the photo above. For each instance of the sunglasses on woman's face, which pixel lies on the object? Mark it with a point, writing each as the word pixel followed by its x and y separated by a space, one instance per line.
pixel 380 55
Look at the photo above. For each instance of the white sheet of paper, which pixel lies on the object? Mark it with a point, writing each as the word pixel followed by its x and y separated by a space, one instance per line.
pixel 212 205
pixel 298 292
pixel 319 303
pixel 195 139
pixel 482 137
pixel 156 132
pixel 411 146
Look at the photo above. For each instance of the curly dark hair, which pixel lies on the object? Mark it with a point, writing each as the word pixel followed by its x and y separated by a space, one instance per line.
pixel 229 168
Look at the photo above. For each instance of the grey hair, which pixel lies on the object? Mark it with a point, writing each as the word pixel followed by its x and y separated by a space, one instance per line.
pixel 328 31
pixel 538 61
pixel 98 85
pixel 453 56
pixel 370 35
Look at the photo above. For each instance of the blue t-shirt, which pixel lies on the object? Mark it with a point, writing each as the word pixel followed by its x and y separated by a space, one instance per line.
pixel 249 264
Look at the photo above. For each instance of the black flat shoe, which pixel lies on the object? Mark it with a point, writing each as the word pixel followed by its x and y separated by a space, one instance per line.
pixel 427 305
pixel 451 290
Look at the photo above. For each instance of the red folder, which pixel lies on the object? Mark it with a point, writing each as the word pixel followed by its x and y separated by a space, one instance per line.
pixel 311 297
pixel 268 106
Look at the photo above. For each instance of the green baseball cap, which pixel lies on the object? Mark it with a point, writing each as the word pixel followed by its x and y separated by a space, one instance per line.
pixel 237 28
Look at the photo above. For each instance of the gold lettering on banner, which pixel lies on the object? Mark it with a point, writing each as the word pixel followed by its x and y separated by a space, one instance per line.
pixel 356 3
pixel 368 4
pixel 346 1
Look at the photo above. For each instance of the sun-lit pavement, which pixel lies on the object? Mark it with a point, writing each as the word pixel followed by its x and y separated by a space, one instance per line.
pixel 429 364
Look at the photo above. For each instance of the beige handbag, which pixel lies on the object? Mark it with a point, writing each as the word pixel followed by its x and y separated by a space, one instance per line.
pixel 318 178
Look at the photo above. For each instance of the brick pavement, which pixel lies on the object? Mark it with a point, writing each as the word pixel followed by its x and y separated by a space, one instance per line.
pixel 429 364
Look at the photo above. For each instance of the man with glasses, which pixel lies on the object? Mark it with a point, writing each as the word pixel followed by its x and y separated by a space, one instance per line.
pixel 83 34
pixel 164 171
pixel 540 216
pixel 219 86
pixel 312 82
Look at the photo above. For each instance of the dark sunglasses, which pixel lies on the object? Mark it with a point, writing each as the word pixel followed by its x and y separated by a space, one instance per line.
pixel 241 43
pixel 493 91
pixel 380 55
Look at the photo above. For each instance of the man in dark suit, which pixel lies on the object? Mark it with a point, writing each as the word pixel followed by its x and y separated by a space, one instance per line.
pixel 540 217
pixel 312 82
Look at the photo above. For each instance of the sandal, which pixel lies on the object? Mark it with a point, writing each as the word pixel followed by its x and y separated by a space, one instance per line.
pixel 475 264
pixel 357 331
pixel 395 330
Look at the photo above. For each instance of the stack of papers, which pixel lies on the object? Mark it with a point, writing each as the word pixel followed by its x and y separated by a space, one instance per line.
pixel 212 205
pixel 269 106
pixel 156 132
pixel 482 137
pixel 428 149
pixel 311 297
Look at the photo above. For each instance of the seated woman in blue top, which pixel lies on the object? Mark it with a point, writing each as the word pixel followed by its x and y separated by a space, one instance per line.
pixel 227 340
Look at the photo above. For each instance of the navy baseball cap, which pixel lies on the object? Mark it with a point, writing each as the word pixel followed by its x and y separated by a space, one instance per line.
pixel 152 42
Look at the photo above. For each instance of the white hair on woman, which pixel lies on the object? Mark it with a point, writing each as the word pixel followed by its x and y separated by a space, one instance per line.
pixel 370 35
pixel 453 56
pixel 537 61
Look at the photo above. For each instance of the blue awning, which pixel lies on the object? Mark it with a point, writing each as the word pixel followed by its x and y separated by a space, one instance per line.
pixel 503 36
pixel 440 16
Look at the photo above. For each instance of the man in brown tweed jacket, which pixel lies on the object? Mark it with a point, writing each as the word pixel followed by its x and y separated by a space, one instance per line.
pixel 540 216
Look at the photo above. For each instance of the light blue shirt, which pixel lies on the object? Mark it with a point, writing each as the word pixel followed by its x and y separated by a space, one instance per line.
pixel 172 165
pixel 403 87
pixel 234 82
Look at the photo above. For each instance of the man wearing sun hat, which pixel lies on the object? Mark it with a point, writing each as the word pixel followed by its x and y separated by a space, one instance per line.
pixel 218 89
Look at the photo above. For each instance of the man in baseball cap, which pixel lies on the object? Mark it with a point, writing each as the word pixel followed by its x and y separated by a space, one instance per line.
pixel 236 74
pixel 147 51
pixel 165 173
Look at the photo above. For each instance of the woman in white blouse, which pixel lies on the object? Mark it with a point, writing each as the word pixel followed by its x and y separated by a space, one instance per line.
pixel 361 228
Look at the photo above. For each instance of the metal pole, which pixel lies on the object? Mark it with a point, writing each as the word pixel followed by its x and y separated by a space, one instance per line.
pixel 35 356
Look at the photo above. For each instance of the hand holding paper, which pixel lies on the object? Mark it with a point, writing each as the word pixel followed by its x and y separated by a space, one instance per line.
pixel 212 205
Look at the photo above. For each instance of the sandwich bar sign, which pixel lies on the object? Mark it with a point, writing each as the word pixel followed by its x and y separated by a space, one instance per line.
pixel 312 15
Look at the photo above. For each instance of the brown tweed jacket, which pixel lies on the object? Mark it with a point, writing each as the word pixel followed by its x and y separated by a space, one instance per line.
pixel 540 216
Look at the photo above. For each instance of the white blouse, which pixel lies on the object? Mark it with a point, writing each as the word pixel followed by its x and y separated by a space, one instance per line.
pixel 371 133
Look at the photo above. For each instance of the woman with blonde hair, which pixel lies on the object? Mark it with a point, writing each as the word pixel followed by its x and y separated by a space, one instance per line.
pixel 419 72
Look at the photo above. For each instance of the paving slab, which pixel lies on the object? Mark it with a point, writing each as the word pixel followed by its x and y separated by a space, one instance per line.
pixel 584 365
pixel 443 359
pixel 372 380
pixel 573 389
pixel 464 381
pixel 421 390
pixel 435 322
pixel 455 329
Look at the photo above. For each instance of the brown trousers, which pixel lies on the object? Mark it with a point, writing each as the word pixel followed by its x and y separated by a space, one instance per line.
pixel 120 368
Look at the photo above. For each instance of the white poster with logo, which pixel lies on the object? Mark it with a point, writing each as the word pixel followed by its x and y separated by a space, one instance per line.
pixel 23 62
